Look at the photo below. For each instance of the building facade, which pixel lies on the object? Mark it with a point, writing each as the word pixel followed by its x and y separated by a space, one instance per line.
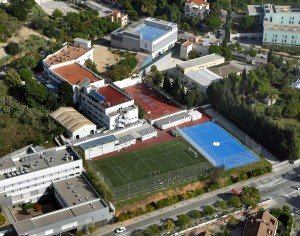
pixel 150 35
pixel 119 17
pixel 281 24
pixel 108 106
pixel 32 174
pixel 25 178
pixel 193 8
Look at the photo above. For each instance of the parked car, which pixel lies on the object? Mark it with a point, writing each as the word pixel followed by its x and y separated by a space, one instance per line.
pixel 120 230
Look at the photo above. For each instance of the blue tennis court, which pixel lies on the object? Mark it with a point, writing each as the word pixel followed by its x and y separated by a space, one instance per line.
pixel 218 146
pixel 150 33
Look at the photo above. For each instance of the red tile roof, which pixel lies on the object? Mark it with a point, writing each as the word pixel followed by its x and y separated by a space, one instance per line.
pixel 75 73
pixel 198 2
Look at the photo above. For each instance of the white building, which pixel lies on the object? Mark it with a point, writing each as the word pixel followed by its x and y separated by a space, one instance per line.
pixel 76 125
pixel 26 175
pixel 101 144
pixel 194 8
pixel 201 47
pixel 173 120
pixel 78 52
pixel 150 35
pixel 67 65
pixel 108 106
pixel 200 63
pixel 281 24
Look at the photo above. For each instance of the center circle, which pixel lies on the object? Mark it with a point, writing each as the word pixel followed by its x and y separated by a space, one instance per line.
pixel 147 165
pixel 217 144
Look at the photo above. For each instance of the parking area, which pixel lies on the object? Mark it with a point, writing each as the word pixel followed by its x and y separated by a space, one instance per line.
pixel 64 6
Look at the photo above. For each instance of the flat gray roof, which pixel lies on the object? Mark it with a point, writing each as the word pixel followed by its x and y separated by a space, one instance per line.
pixel 255 10
pixel 126 138
pixel 82 189
pixel 75 191
pixel 43 159
pixel 225 69
pixel 172 118
pixel 146 131
pixel 200 60
pixel 99 141
pixel 203 77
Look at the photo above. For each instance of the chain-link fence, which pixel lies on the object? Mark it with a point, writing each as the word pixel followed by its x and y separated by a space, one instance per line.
pixel 157 181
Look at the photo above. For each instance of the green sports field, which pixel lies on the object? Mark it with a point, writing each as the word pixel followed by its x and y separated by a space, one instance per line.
pixel 152 168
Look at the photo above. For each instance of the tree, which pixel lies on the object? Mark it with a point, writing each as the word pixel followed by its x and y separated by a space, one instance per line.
pixel 195 214
pixel 215 49
pixel 152 230
pixel 252 52
pixel 250 196
pixel 235 201
pixel 25 74
pixel 12 78
pixel 227 53
pixel 193 54
pixel 153 70
pixel 12 48
pixel 167 83
pixel 158 79
pixel 169 225
pixel 222 205
pixel 183 221
pixel 21 8
pixel 208 210
pixel 91 66
pixel 34 92
pixel 66 94
pixel 247 22
pixel 213 22
pixel 57 14
pixel 141 112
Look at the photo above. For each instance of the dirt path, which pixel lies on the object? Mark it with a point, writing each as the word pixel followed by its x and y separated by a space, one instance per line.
pixel 22 34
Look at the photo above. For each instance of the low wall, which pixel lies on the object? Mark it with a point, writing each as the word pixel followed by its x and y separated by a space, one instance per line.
pixel 128 82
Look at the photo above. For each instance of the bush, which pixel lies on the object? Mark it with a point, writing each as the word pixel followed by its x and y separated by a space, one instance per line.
pixel 12 48
pixel 235 201
pixel 183 221
pixel 2 220
pixel 92 228
pixel 208 210
pixel 195 214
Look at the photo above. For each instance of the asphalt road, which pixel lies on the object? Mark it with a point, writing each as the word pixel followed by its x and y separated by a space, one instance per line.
pixel 275 186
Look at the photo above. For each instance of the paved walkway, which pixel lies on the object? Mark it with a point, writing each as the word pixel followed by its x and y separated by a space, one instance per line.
pixel 242 136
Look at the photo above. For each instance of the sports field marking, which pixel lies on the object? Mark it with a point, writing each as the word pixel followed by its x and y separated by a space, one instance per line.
pixel 182 148
pixel 122 170
pixel 120 177
pixel 143 161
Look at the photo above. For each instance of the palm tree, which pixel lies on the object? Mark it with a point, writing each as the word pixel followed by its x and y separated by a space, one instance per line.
pixel 273 95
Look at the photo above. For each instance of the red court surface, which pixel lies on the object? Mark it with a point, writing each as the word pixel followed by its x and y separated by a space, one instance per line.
pixel 112 95
pixel 154 104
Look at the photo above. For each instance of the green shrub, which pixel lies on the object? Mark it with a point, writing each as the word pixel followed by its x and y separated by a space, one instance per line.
pixel 2 219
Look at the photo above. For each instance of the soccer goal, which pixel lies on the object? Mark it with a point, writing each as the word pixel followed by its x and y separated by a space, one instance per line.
pixel 193 151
